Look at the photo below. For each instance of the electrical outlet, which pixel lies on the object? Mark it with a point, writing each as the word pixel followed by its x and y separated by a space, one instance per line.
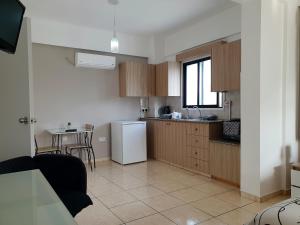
pixel 102 139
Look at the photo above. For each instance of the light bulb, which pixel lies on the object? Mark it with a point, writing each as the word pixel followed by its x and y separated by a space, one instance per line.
pixel 114 45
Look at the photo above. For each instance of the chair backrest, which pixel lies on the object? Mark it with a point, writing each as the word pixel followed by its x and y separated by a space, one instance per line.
pixel 36 145
pixel 89 135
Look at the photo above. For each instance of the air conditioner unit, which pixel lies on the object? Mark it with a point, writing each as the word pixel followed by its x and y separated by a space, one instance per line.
pixel 95 61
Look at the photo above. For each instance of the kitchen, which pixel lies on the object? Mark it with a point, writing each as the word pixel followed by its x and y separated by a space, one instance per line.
pixel 192 138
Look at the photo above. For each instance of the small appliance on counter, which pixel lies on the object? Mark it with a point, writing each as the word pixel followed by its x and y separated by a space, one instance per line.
pixel 232 130
pixel 164 112
pixel 176 115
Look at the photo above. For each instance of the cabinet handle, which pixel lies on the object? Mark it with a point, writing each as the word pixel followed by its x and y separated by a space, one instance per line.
pixel 196 141
pixel 196 129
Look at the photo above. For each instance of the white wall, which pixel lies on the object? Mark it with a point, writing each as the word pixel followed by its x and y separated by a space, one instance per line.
pixel 218 26
pixel 64 93
pixel 267 78
pixel 73 36
pixel 290 89
pixel 250 98
pixel 271 79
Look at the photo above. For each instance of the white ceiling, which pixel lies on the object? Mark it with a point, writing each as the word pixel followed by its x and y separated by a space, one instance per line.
pixel 140 17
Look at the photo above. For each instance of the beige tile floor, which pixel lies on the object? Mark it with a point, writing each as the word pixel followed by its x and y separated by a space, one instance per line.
pixel 154 193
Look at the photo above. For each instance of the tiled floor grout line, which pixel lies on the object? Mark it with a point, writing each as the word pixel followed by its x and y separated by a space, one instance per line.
pixel 124 171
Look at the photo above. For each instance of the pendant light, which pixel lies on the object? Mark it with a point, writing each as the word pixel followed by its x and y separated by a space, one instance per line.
pixel 114 43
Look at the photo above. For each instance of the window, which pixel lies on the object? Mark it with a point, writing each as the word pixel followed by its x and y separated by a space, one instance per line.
pixel 197 85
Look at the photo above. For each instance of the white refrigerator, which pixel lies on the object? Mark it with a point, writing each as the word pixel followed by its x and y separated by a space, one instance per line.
pixel 129 143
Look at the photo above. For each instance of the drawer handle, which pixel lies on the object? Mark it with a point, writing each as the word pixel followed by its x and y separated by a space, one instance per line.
pixel 196 165
pixel 196 141
pixel 196 153
pixel 196 129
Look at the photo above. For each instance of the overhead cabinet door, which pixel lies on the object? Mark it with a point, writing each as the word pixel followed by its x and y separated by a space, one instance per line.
pixel 136 79
pixel 226 67
pixel 168 79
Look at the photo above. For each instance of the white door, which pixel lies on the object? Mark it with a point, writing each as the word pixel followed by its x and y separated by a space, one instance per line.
pixel 16 139
pixel 134 143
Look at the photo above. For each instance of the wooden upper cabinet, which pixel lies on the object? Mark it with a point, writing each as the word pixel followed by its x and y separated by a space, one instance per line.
pixel 218 64
pixel 136 79
pixel 234 65
pixel 226 67
pixel 168 79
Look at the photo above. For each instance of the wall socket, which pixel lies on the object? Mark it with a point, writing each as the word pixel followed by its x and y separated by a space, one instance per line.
pixel 102 139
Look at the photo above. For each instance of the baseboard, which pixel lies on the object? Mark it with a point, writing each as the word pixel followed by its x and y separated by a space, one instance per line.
pixel 103 159
pixel 263 198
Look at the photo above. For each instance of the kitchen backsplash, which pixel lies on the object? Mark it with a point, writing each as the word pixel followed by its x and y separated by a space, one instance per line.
pixel 175 104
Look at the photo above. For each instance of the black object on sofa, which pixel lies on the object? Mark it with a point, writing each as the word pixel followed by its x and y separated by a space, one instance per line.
pixel 66 174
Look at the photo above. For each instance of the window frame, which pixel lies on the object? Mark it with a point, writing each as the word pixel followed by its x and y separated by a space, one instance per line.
pixel 184 105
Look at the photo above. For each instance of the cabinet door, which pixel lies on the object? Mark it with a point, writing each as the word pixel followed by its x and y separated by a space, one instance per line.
pixel 234 66
pixel 162 79
pixel 218 68
pixel 134 79
pixel 225 162
pixel 168 79
pixel 150 139
pixel 180 143
pixel 151 80
pixel 173 79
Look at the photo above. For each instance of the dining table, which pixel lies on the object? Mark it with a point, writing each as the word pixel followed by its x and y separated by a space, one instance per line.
pixel 26 198
pixel 58 133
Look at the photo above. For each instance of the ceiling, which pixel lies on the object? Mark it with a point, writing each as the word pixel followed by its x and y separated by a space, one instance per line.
pixel 140 17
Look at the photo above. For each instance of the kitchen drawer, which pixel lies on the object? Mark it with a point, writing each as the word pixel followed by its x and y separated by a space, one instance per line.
pixel 195 141
pixel 199 153
pixel 200 165
pixel 198 129
pixel 194 129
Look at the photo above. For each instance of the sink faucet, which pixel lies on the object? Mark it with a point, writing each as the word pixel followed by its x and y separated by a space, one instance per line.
pixel 188 113
pixel 196 107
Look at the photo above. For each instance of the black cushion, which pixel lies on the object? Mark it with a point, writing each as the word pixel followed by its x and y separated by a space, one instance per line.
pixel 66 175
pixel 63 172
pixel 17 165
pixel 74 201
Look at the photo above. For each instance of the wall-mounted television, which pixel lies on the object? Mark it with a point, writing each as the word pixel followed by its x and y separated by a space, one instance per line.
pixel 11 17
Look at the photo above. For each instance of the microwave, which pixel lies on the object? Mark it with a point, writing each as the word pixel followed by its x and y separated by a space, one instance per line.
pixel 232 130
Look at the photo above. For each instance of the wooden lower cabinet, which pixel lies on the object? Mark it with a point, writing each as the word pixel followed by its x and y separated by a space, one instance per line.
pixel 187 145
pixel 225 162
pixel 180 143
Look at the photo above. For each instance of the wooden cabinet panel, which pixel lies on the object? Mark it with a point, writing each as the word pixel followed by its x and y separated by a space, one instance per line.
pixel 168 79
pixel 136 79
pixel 193 129
pixel 173 142
pixel 225 162
pixel 218 71
pixel 234 65
pixel 162 79
pixel 226 67
pixel 151 80
pixel 150 139
pixel 200 165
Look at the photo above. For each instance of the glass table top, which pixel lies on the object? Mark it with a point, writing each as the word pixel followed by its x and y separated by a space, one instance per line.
pixel 26 198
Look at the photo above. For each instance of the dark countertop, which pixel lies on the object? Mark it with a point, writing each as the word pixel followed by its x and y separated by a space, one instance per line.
pixel 183 120
pixel 225 141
